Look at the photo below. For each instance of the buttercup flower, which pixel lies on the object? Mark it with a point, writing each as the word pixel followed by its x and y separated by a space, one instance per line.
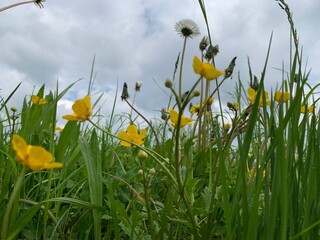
pixel 187 28
pixel 82 110
pixel 309 109
pixel 195 109
pixel 38 101
pixel 226 126
pixel 132 135
pixel 252 97
pixel 33 157
pixel 174 119
pixel 279 97
pixel 206 70
pixel 209 102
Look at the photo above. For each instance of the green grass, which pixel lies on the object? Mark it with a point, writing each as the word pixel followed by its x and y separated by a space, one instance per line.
pixel 257 180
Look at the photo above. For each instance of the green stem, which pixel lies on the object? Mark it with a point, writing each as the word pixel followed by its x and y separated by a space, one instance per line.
pixel 181 65
pixel 7 213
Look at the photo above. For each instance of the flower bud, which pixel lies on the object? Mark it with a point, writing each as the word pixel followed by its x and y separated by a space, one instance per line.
pixel 152 172
pixel 168 83
pixel 138 86
pixel 142 155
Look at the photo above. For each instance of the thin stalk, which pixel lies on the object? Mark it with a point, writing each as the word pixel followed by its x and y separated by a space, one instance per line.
pixel 181 66
pixel 15 5
pixel 150 125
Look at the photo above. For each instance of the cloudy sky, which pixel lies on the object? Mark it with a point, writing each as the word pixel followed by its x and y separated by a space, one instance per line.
pixel 135 40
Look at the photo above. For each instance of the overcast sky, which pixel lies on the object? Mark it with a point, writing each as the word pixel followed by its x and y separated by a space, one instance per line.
pixel 135 40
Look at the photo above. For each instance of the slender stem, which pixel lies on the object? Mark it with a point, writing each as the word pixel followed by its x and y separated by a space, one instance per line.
pixel 181 65
pixel 15 5
pixel 150 125
pixel 7 213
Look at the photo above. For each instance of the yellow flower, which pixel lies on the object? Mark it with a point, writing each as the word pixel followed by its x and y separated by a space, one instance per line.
pixel 195 109
pixel 206 70
pixel 210 101
pixel 38 101
pixel 34 157
pixel 59 129
pixel 174 119
pixel 279 97
pixel 309 110
pixel 252 97
pixel 82 110
pixel 226 126
pixel 132 135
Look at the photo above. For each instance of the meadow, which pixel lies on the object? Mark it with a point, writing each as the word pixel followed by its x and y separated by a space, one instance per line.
pixel 250 171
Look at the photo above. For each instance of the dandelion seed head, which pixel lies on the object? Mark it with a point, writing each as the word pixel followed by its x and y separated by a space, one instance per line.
pixel 187 28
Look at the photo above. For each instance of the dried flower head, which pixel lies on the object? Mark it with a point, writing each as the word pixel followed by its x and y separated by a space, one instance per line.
pixel 204 43
pixel 125 93
pixel 39 3
pixel 138 86
pixel 187 28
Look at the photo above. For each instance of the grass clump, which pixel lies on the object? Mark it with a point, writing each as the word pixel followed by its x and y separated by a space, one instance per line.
pixel 248 172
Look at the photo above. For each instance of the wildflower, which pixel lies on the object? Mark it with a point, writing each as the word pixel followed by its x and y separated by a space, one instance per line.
pixel 233 106
pixel 252 97
pixel 59 129
pixel 194 109
pixel 38 101
pixel 309 109
pixel 281 97
pixel 226 127
pixel 187 28
pixel 82 110
pixel 34 157
pixel 206 70
pixel 132 135
pixel 174 119
pixel 209 102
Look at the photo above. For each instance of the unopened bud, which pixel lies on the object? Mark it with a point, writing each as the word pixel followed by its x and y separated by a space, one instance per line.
pixel 152 172
pixel 13 109
pixel 138 86
pixel 142 155
pixel 168 83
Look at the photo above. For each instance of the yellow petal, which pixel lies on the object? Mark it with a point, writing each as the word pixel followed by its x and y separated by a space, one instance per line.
pixel 70 117
pixel 286 96
pixel 20 146
pixel 143 133
pixel 185 121
pixel 173 116
pixel 197 65
pixel 38 157
pixel 132 130
pixel 252 95
pixel 53 165
pixel 211 72
pixel 34 99
pixel 42 101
